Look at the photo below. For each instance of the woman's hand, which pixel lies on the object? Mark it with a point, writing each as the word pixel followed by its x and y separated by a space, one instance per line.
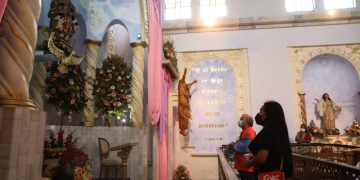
pixel 248 158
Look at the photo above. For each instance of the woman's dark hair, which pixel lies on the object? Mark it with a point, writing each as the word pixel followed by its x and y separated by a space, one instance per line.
pixel 323 97
pixel 275 120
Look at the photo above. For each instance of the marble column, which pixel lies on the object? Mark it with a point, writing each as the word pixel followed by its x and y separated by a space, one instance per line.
pixel 37 85
pixel 17 49
pixel 137 83
pixel 21 127
pixel 88 113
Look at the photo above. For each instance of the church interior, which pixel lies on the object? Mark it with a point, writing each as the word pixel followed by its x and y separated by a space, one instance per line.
pixel 156 89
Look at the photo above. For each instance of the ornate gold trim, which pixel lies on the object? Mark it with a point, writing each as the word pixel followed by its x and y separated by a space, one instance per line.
pixel 142 43
pixel 299 56
pixel 90 41
pixel 12 102
pixel 204 155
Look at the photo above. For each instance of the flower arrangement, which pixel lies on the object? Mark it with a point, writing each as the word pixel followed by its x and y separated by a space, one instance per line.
pixel 353 130
pixel 181 173
pixel 64 89
pixel 63 160
pixel 112 87
pixel 73 163
pixel 315 131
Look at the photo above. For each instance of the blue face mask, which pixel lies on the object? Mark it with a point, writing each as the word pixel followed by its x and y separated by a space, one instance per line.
pixel 241 123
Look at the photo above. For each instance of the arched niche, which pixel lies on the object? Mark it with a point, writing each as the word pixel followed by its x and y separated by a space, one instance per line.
pixel 337 76
pixel 299 56
pixel 116 40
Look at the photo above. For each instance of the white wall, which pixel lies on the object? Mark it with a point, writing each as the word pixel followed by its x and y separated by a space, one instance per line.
pixel 269 63
pixel 261 8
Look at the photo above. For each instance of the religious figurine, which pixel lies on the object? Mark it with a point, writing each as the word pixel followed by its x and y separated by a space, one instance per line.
pixel 184 104
pixel 328 111
pixel 303 136
pixel 61 29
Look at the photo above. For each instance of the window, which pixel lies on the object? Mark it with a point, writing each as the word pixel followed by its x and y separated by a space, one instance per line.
pixel 212 8
pixel 339 4
pixel 299 5
pixel 177 9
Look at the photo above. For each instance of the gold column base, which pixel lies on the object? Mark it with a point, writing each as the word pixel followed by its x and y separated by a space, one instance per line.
pixel 12 102
pixel 89 124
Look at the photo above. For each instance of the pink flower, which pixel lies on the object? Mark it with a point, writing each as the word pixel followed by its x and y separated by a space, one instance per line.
pixel 53 91
pixel 61 89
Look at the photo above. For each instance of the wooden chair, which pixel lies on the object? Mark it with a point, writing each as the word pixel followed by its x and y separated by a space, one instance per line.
pixel 105 162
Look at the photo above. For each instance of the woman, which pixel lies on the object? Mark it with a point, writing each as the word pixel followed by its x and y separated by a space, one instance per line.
pixel 271 147
pixel 328 111
pixel 303 136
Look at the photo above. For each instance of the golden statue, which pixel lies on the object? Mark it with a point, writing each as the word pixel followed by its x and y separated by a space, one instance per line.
pixel 184 104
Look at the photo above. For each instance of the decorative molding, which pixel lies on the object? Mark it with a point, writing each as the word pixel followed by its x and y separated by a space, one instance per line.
pixel 299 56
pixel 90 41
pixel 228 24
pixel 142 43
pixel 238 61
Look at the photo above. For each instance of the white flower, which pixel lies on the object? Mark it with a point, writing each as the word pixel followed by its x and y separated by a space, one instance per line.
pixel 101 71
pixel 71 82
pixel 109 71
pixel 112 87
pixel 119 78
pixel 114 104
pixel 72 101
pixel 113 67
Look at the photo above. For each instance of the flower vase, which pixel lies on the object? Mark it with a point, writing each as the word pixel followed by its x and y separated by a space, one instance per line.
pixel 107 120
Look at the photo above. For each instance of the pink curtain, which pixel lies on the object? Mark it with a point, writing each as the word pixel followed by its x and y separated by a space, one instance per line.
pixel 154 62
pixel 162 138
pixel 2 8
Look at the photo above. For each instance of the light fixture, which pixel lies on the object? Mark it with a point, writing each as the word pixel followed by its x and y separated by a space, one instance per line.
pixel 209 21
pixel 331 12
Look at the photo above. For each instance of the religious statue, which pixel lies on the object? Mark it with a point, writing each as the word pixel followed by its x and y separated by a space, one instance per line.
pixel 62 28
pixel 184 104
pixel 328 111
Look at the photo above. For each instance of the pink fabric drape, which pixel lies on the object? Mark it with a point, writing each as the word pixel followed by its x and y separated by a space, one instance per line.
pixel 162 138
pixel 154 63
pixel 2 8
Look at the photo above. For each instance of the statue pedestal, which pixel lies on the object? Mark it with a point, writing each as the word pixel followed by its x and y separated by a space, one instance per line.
pixel 21 143
pixel 338 139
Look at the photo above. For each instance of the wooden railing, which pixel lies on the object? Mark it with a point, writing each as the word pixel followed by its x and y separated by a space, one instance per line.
pixel 226 172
